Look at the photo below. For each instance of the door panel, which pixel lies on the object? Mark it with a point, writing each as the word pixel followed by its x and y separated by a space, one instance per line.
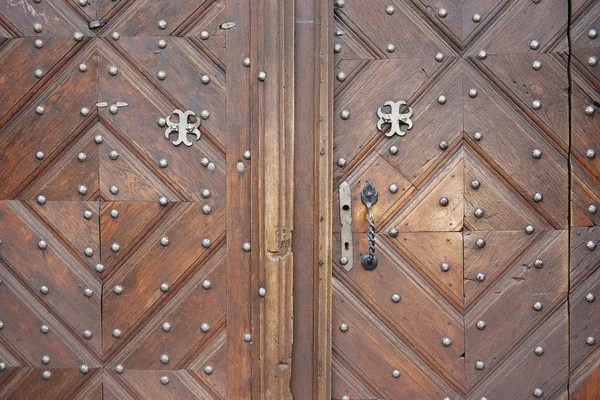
pixel 472 213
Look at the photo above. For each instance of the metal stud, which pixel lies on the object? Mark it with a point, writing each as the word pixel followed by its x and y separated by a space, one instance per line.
pixel 38 43
pixel 206 193
pixel 592 61
pixel 39 155
pixel 344 327
pixel 538 197
pixel 38 73
pixel 590 109
pixel 538 393
pixel 394 188
pixel 537 153
pixel 479 365
pixel 393 150
pixel 341 162
pixel 99 267
pixel 206 284
pixel 539 350
pixel 591 245
pixel 42 245
pixel 475 184
pixel 337 48
pixel 88 292
pixel 478 212
pixel 164 287
pixel 442 13
pixel 82 189
pixel 476 18
pixel 1 325
pixel 208 370
pixel 536 104
pixel 537 65
pixel 390 48
pixel 481 325
pixel 119 369
pixel 262 292
pixel 113 109
pixel 162 24
pixel 84 111
pixel 37 27
pixel 444 266
pixel 204 35
pixel 205 114
pixel 161 75
pixel 592 209
pixel 114 190
pixel 113 71
pixel 247 337
pixel 537 306
pixel 206 243
pixel 442 99
pixel 529 229
pixel 118 290
pixel 339 3
pixel 205 327
pixel 83 67
pixel 87 334
pixel 472 93
pixel 165 380
pixel 82 156
pixel 98 139
pixel 164 359
pixel 44 290
pixel 590 297
pixel 78 36
pixel 396 373
pixel 396 298
pixel 162 44
pixel 39 110
pixel 393 232
pixel 205 79
pixel 439 57
pixel 480 277
pixel 345 397
pixel 41 199
pixel 88 251
pixel 163 201
pixel 480 243
pixel 2 366
pixel 262 75
pixel 341 76
pixel 114 213
pixel 246 61
pixel 164 241
pixel 115 247
pixel 45 359
pixel 345 114
pixel 482 55
pixel 246 247
pixel 539 264
pixel 444 201
pixel 477 136
pixel 590 341
pixel 443 145
pixel 82 3
pixel 534 44
pixel 390 10
pixel 47 375
pixel 117 333
pixel 44 329
pixel 590 153
pixel 84 369
pixel 246 155
pixel 446 342
pixel 592 33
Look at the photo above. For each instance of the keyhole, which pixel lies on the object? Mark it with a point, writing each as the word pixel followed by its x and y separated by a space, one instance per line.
pixel 347 246
pixel 345 207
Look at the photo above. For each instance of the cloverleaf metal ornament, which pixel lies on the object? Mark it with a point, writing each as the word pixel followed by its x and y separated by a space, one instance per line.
pixel 183 127
pixel 395 118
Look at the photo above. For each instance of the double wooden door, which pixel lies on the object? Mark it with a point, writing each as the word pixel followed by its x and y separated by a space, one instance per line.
pixel 487 200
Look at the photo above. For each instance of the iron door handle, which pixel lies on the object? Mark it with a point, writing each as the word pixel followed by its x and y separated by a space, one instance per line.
pixel 369 197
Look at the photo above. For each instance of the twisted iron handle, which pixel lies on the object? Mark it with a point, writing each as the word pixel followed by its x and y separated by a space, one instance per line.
pixel 369 197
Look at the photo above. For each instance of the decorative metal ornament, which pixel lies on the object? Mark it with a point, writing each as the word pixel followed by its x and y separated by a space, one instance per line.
pixel 369 197
pixel 183 128
pixel 395 118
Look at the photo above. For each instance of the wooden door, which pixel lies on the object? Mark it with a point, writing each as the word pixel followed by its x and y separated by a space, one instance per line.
pixel 129 267
pixel 486 211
